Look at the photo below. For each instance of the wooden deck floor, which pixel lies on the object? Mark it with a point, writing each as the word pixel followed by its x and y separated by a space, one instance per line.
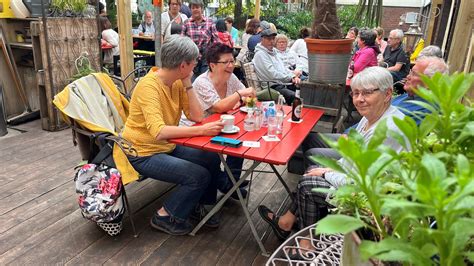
pixel 40 222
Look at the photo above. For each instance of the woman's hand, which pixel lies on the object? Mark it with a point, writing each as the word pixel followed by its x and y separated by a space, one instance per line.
pixel 212 128
pixel 248 92
pixel 317 171
pixel 187 80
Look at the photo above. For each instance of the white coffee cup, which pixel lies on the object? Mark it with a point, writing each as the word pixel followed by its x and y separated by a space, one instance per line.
pixel 228 121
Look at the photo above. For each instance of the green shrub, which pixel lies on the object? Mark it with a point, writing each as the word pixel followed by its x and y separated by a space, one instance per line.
pixel 419 204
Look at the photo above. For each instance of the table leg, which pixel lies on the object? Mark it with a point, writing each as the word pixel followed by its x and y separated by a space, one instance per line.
pixel 227 195
pixel 283 182
pixel 243 203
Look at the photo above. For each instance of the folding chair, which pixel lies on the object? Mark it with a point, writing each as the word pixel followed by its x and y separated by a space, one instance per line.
pixel 97 112
pixel 263 87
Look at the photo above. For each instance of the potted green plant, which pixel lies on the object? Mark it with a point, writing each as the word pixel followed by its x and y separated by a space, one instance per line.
pixel 328 52
pixel 415 207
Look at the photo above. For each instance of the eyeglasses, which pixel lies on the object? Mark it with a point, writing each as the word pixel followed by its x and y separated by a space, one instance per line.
pixel 413 73
pixel 174 4
pixel 363 93
pixel 230 62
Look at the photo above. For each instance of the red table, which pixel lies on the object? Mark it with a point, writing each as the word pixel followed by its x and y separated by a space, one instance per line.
pixel 273 153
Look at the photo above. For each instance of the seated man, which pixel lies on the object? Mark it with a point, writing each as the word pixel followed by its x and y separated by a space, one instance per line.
pixel 395 58
pixel 147 27
pixel 426 65
pixel 269 67
pixel 372 93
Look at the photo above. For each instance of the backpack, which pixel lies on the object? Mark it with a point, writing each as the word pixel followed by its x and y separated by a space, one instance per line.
pixel 99 185
pixel 100 193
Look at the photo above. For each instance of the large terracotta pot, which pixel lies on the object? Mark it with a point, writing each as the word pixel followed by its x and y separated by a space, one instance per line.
pixel 328 59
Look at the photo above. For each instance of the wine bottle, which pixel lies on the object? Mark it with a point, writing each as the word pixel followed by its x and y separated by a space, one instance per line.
pixel 296 107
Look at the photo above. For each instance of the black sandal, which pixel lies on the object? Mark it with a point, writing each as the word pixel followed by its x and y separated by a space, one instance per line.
pixel 280 233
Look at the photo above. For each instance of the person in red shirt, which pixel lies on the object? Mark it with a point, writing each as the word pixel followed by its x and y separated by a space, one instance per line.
pixel 223 34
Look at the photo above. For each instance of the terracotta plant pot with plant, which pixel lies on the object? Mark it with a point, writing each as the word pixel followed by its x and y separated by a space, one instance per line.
pixel 328 53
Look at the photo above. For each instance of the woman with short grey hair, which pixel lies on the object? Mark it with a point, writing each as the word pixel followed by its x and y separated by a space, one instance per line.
pixel 371 93
pixel 155 109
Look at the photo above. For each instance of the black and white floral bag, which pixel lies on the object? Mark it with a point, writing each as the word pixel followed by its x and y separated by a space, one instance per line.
pixel 100 193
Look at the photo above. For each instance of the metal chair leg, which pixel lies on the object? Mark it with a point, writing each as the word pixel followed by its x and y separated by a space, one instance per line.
pixel 130 215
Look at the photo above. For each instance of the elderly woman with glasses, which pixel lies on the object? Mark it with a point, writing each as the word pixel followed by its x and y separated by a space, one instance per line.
pixel 155 108
pixel 219 90
pixel 372 93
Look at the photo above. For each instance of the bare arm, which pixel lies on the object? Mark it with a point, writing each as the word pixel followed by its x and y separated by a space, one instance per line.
pixel 196 113
pixel 229 102
pixel 396 67
pixel 209 129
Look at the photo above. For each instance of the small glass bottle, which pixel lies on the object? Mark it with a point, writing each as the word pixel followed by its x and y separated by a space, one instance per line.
pixel 280 114
pixel 258 118
pixel 249 122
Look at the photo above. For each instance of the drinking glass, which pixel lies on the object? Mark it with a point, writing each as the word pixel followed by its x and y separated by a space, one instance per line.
pixel 272 126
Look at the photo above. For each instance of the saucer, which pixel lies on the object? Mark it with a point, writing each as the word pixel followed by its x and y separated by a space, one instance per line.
pixel 235 129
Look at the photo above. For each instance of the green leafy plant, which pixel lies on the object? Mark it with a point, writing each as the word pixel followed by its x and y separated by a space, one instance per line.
pixel 291 23
pixel 417 204
pixel 69 7
pixel 348 17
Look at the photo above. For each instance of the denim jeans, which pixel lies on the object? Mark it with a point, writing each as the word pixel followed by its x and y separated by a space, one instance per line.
pixel 235 164
pixel 200 68
pixel 195 172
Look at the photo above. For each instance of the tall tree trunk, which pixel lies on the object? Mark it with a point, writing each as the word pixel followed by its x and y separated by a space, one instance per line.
pixel 326 24
pixel 239 18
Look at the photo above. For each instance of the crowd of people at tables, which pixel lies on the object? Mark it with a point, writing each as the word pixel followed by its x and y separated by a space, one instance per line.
pixel 197 79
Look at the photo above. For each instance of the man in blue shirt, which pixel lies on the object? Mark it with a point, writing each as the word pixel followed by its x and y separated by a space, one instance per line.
pixel 427 66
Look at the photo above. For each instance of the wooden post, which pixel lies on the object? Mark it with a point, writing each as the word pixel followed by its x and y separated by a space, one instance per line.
pixel 158 7
pixel 459 48
pixel 124 15
pixel 257 9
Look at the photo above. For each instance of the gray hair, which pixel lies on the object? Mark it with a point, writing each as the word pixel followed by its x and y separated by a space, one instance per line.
pixel 373 78
pixel 431 50
pixel 398 33
pixel 176 50
pixel 434 65
pixel 281 36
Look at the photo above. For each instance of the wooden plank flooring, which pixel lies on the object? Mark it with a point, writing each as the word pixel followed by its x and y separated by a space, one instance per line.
pixel 40 222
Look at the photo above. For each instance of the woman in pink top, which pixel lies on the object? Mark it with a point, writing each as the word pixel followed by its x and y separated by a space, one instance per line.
pixel 366 56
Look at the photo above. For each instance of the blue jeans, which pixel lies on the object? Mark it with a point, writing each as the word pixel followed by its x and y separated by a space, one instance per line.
pixel 235 165
pixel 195 172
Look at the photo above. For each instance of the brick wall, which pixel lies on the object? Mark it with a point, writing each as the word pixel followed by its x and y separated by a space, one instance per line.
pixel 391 18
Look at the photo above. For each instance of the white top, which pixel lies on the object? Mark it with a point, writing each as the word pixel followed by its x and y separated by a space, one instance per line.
pixel 149 29
pixel 111 37
pixel 338 179
pixel 207 94
pixel 299 47
pixel 166 22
